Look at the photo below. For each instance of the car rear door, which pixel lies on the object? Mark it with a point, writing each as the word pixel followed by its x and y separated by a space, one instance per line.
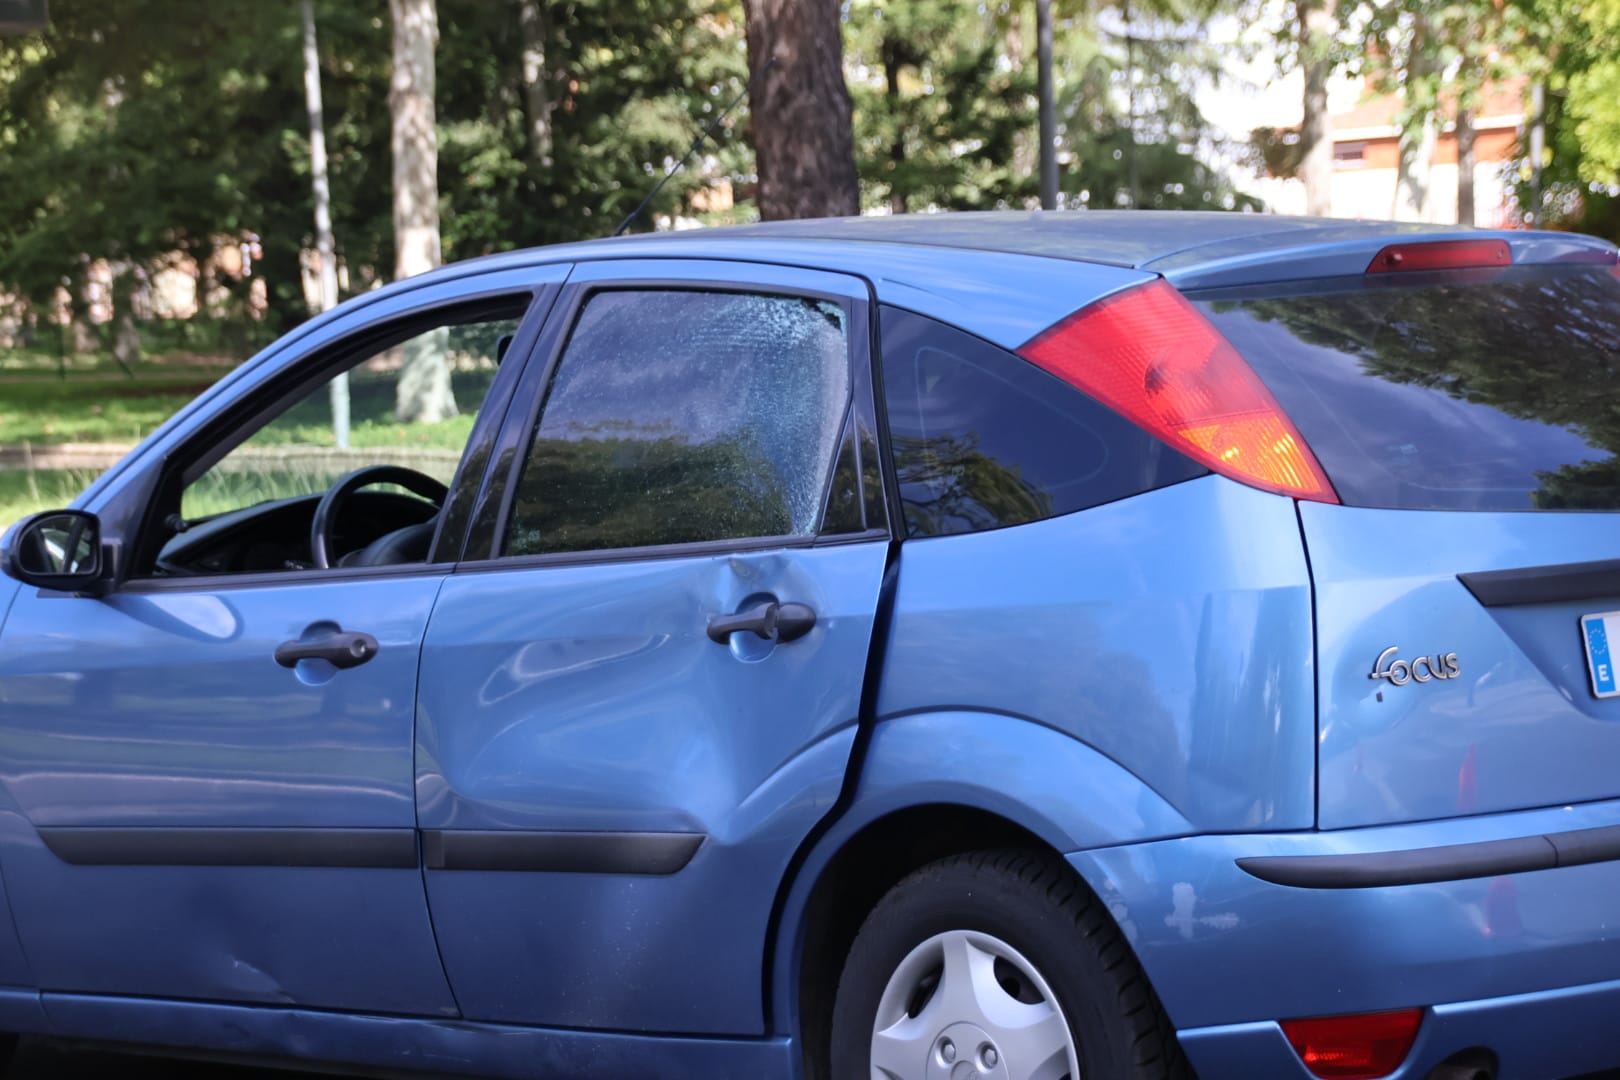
pixel 1469 421
pixel 640 690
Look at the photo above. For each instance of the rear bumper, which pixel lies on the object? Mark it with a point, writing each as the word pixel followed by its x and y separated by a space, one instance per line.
pixel 1550 1035
pixel 1526 964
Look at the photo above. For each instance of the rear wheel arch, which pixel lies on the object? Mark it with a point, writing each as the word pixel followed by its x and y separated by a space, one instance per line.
pixel 850 882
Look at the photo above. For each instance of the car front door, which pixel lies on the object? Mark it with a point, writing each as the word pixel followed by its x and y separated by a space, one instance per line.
pixel 640 691
pixel 198 805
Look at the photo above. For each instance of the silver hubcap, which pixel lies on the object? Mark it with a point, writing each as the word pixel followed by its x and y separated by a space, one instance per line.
pixel 968 1006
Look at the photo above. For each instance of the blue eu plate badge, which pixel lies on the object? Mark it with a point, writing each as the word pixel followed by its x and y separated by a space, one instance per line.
pixel 1602 634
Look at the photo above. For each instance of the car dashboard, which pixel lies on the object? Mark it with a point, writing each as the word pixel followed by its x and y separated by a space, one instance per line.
pixel 275 535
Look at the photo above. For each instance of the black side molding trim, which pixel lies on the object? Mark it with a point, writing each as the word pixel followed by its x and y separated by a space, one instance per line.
pixel 1544 584
pixel 1454 862
pixel 379 849
pixel 644 853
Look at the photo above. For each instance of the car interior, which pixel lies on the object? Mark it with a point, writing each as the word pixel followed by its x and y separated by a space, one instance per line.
pixel 320 514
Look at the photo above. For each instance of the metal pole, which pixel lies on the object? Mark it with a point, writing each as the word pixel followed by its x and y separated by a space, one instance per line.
pixel 324 245
pixel 1130 84
pixel 1538 147
pixel 1049 169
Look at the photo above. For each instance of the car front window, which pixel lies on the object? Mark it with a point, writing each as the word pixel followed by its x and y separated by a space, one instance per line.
pixel 297 452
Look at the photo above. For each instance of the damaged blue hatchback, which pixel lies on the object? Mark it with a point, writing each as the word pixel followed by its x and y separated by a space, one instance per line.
pixel 1004 646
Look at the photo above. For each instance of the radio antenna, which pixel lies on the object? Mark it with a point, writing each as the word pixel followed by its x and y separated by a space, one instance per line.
pixel 697 142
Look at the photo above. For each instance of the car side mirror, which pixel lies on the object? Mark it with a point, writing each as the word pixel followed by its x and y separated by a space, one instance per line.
pixel 59 550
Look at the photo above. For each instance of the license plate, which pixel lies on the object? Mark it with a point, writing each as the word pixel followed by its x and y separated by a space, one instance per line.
pixel 1601 634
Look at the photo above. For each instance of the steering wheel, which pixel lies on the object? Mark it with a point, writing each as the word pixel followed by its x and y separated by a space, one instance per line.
pixel 331 504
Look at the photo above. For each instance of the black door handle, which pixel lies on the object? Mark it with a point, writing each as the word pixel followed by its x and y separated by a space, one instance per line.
pixel 770 620
pixel 342 649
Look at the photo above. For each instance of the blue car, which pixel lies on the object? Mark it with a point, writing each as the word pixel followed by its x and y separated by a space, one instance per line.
pixel 1003 646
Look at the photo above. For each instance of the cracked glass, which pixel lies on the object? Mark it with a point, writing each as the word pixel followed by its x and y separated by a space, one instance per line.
pixel 686 417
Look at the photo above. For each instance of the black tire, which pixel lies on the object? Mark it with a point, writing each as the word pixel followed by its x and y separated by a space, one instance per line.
pixel 1036 905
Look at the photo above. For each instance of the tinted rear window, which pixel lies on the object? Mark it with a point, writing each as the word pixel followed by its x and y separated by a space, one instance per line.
pixel 1480 391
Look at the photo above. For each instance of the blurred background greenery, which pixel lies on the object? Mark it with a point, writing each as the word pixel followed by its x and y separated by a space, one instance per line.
pixel 156 156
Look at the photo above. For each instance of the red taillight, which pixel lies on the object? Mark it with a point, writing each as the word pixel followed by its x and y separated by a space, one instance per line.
pixel 1362 1047
pixel 1441 255
pixel 1149 355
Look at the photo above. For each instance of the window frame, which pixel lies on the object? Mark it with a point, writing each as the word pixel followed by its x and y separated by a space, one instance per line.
pixel 487 535
pixel 139 499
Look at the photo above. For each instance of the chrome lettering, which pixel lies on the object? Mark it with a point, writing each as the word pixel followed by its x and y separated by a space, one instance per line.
pixel 1423 669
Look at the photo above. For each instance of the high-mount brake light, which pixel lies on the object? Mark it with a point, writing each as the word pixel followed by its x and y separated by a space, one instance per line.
pixel 1441 255
pixel 1149 355
pixel 1360 1047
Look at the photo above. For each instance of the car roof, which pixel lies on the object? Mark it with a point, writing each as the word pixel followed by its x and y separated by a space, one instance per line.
pixel 1008 275
pixel 1194 248
pixel 1126 238
pixel 1144 240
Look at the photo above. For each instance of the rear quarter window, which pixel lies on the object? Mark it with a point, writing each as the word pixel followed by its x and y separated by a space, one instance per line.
pixel 983 439
pixel 1480 390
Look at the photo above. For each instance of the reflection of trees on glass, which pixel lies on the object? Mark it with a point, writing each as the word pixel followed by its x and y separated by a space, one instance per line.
pixel 1536 345
pixel 1591 485
pixel 949 485
pixel 637 487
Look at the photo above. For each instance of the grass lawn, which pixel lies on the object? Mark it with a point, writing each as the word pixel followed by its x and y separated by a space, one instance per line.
pixel 23 493
pixel 94 408
pixel 97 403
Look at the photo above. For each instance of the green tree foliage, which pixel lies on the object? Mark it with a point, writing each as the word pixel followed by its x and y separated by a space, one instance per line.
pixel 629 83
pixel 131 130
pixel 1129 126
pixel 946 106
pixel 1593 81
pixel 1579 179
pixel 943 117
pixel 135 129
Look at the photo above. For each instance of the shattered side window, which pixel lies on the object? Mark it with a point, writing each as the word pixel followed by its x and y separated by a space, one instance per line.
pixel 682 417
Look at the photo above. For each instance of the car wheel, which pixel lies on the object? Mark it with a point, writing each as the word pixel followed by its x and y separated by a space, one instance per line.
pixel 997 965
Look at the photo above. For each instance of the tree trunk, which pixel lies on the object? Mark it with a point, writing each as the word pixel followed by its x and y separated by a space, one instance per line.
pixel 1465 166
pixel 126 344
pixel 126 348
pixel 321 189
pixel 82 339
pixel 1415 163
pixel 898 203
pixel 1316 136
pixel 532 21
pixel 1413 174
pixel 424 393
pixel 804 144
pixel 1047 124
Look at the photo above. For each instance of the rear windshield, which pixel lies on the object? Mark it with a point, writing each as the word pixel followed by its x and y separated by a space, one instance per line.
pixel 1488 390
